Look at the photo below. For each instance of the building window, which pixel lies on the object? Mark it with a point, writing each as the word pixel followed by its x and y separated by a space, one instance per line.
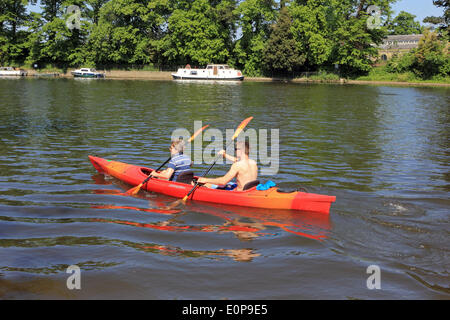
pixel 383 57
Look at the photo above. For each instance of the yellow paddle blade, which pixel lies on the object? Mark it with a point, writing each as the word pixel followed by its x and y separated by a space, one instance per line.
pixel 241 127
pixel 197 133
pixel 135 190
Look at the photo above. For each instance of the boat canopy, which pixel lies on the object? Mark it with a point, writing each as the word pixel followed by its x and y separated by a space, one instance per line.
pixel 219 66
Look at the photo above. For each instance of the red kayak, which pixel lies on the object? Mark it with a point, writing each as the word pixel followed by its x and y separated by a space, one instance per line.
pixel 272 198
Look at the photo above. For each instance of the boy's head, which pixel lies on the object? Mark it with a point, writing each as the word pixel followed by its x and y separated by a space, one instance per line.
pixel 177 146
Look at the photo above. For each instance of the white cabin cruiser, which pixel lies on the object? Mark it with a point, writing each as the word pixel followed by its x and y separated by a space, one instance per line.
pixel 87 73
pixel 211 72
pixel 10 71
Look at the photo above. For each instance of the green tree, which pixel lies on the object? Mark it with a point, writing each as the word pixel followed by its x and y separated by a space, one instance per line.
pixel 312 29
pixel 443 22
pixel 56 43
pixel 432 56
pixel 404 23
pixel 124 32
pixel 401 63
pixel 199 32
pixel 34 42
pixel 255 19
pixel 92 9
pixel 282 54
pixel 12 38
pixel 332 32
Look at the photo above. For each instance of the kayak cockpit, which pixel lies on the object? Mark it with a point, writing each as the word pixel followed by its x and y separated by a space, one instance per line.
pixel 146 171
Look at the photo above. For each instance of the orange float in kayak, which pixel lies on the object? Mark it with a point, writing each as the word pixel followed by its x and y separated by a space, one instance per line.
pixel 269 199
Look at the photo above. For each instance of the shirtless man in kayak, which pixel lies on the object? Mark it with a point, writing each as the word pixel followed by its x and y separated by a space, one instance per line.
pixel 243 169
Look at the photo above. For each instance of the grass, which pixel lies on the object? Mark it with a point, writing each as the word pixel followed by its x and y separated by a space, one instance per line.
pixel 324 76
pixel 380 74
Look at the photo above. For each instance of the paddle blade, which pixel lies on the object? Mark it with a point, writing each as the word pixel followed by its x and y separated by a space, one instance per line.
pixel 196 133
pixel 135 190
pixel 241 127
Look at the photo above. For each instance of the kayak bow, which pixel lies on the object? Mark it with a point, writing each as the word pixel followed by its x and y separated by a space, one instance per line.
pixel 270 199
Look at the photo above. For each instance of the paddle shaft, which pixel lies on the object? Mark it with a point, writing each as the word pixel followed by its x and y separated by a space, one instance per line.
pixel 236 133
pixel 149 177
pixel 206 172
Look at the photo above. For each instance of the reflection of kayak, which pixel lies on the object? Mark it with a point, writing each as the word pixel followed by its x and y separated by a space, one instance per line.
pixel 304 224
pixel 270 199
pixel 245 223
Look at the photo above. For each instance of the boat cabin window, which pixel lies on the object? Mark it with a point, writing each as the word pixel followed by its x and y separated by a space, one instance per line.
pixel 209 67
pixel 220 67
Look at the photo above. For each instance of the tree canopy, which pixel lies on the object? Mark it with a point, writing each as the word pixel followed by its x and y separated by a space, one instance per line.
pixel 405 23
pixel 257 36
pixel 443 23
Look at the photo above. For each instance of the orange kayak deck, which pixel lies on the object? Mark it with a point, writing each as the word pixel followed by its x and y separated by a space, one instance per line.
pixel 269 199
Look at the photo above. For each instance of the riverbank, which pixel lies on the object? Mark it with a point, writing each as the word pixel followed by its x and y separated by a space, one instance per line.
pixel 166 75
pixel 349 81
pixel 112 74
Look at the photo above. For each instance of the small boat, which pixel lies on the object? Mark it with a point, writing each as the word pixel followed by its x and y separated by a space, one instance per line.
pixel 272 198
pixel 10 71
pixel 211 72
pixel 87 73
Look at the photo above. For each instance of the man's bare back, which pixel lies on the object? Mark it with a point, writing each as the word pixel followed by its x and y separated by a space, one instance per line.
pixel 244 170
pixel 247 171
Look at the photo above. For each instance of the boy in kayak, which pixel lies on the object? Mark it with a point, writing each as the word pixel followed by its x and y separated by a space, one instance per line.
pixel 244 169
pixel 179 163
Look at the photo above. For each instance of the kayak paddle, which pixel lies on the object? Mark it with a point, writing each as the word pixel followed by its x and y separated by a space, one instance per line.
pixel 135 190
pixel 236 133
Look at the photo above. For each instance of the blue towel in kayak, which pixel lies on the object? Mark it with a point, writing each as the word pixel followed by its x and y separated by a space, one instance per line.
pixel 266 186
pixel 228 186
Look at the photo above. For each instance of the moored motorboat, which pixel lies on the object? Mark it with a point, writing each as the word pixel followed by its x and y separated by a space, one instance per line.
pixel 211 72
pixel 87 73
pixel 10 71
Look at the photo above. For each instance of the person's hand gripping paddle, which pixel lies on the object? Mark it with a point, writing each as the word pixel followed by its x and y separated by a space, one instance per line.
pixel 236 133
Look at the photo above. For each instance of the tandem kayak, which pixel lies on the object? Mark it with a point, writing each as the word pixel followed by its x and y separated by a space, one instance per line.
pixel 272 198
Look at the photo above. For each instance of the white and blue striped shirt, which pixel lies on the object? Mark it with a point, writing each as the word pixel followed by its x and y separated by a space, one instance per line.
pixel 179 163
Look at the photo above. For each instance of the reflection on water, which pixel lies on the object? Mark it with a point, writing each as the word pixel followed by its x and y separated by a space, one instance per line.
pixel 306 224
pixel 383 151
pixel 162 211
pixel 240 255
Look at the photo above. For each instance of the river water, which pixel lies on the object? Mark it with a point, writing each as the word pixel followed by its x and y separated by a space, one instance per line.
pixel 382 151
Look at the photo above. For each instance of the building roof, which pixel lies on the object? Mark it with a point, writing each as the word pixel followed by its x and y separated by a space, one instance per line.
pixel 408 41
pixel 404 37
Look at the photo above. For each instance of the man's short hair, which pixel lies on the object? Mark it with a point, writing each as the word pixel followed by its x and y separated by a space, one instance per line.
pixel 246 145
